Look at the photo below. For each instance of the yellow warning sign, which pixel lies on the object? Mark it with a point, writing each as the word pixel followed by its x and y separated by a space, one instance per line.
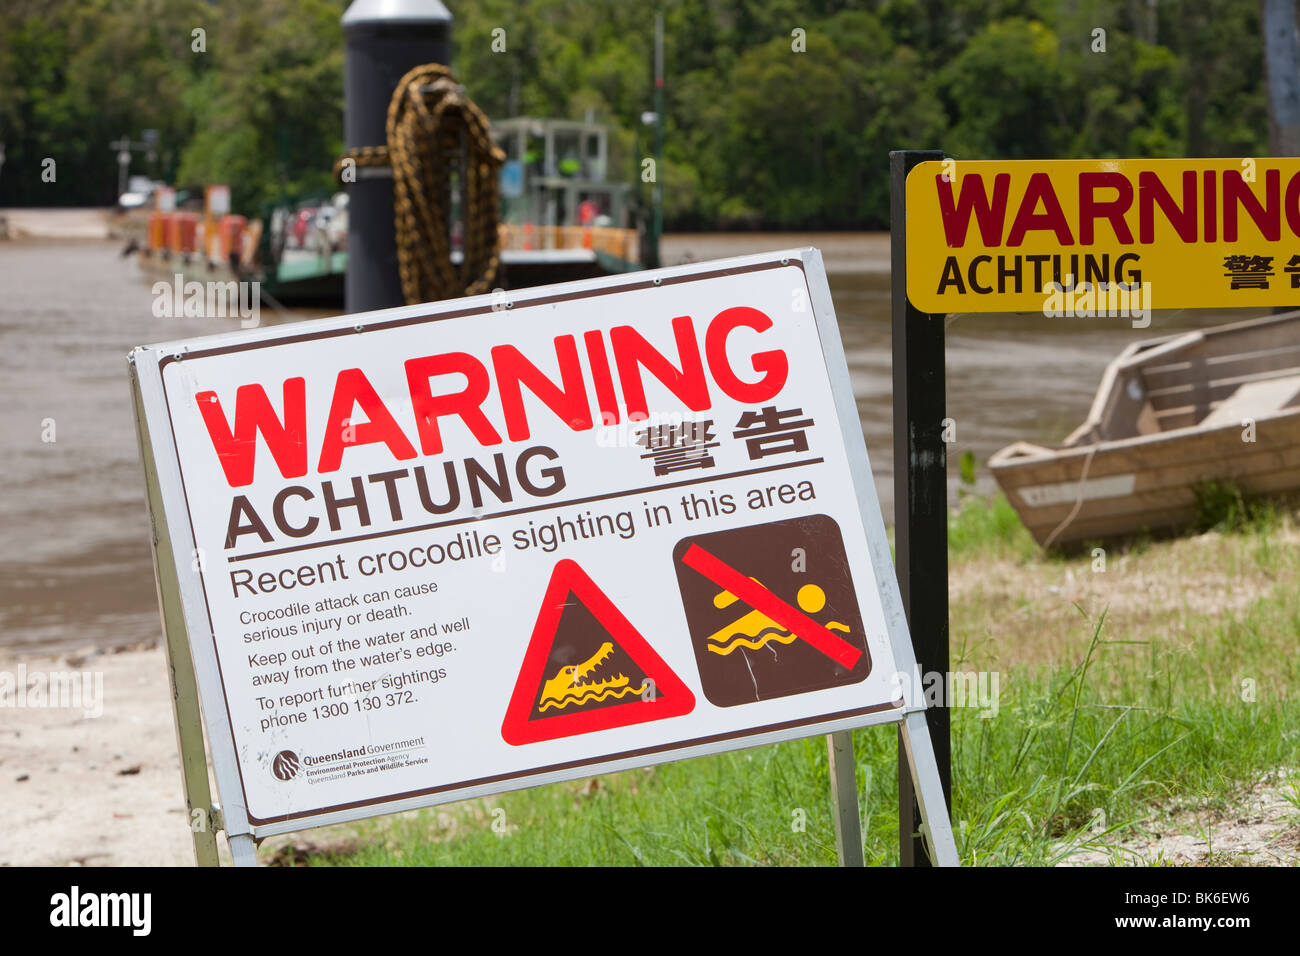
pixel 1107 237
pixel 591 668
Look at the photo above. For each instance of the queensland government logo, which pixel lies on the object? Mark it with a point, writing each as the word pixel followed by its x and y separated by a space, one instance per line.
pixel 285 765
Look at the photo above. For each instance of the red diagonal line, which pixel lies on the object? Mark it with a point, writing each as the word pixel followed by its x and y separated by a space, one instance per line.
pixel 761 599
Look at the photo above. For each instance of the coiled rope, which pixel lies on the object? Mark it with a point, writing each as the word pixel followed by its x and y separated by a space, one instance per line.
pixel 430 124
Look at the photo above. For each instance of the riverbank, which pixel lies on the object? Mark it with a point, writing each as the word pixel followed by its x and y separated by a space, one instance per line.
pixel 1144 713
pixel 87 790
pixel 863 253
pixel 58 224
pixel 843 252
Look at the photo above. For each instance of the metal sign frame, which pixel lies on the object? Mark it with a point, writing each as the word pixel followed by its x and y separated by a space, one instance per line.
pixel 191 649
pixel 920 495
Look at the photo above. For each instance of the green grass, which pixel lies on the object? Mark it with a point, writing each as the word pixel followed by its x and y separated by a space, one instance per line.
pixel 1224 506
pixel 1092 747
pixel 988 527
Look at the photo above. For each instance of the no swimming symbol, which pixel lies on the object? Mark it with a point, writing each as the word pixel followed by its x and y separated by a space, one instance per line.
pixel 764 625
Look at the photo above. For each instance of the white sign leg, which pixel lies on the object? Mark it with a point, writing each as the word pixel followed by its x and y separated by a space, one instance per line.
pixel 844 791
pixel 242 850
pixel 929 791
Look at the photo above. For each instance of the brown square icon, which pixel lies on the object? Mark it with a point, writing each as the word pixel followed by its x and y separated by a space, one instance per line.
pixel 771 610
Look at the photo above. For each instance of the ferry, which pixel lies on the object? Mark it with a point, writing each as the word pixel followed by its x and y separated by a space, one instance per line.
pixel 561 219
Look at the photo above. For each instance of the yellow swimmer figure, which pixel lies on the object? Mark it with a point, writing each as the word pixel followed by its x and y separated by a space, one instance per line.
pixel 756 630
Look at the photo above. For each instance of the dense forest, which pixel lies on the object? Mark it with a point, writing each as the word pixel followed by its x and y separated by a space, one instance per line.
pixel 779 113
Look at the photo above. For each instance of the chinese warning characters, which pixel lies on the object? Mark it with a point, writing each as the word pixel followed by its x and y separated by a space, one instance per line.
pixel 686 445
pixel 1254 272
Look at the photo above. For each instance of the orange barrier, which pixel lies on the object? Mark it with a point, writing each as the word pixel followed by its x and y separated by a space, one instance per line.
pixel 182 231
pixel 157 238
pixel 229 230
pixel 621 243
pixel 216 205
pixel 249 240
pixel 171 230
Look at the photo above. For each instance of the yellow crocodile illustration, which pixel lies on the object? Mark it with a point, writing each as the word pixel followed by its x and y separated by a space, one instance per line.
pixel 574 686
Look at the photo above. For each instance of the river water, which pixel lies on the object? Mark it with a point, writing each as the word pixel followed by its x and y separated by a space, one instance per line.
pixel 75 567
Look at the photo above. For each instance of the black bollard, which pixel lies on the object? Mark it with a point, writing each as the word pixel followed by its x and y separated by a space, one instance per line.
pixel 385 39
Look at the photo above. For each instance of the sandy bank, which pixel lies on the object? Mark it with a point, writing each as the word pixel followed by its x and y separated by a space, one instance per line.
pixel 93 790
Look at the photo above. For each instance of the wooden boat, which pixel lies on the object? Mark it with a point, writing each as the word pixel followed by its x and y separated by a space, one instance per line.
pixel 1172 414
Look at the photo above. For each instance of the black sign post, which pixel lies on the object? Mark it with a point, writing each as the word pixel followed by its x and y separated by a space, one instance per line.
pixel 384 41
pixel 920 495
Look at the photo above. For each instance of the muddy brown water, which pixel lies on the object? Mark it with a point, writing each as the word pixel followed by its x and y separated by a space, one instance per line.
pixel 75 568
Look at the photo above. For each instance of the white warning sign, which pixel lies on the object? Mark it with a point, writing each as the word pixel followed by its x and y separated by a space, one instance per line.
pixel 458 548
